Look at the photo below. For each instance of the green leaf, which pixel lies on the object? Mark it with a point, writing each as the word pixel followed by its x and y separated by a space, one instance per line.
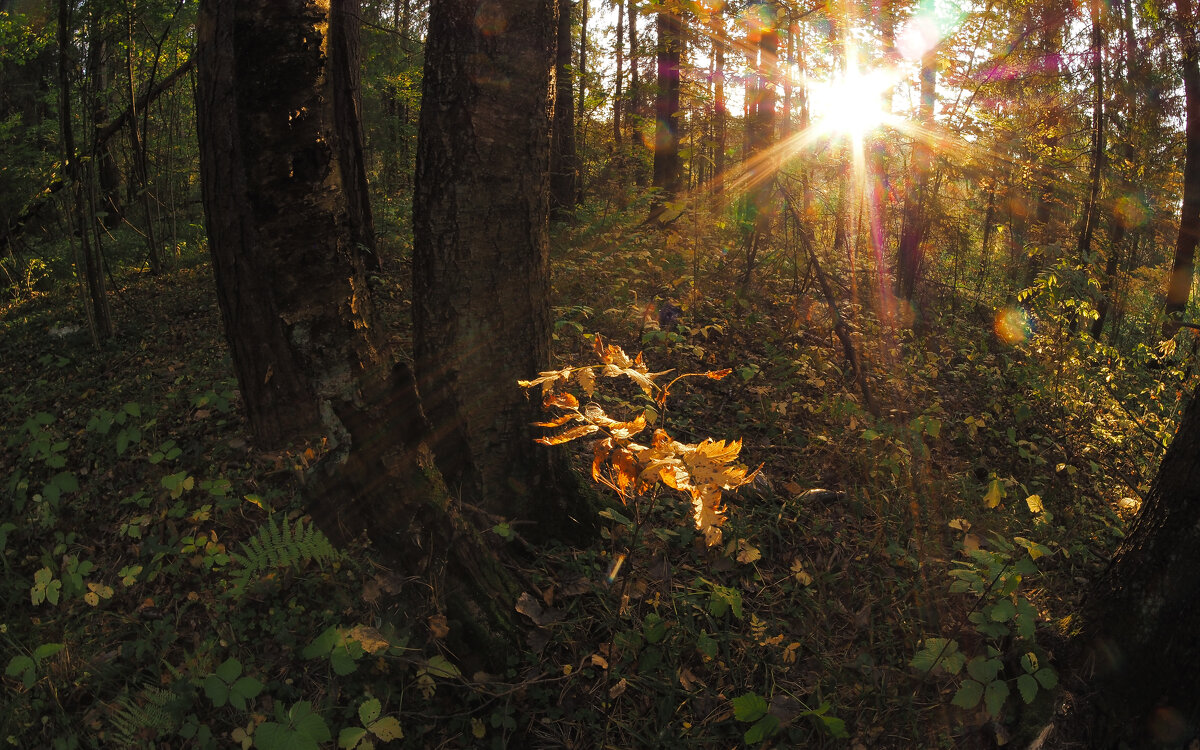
pixel 870 435
pixel 322 645
pixel 654 628
pixel 65 481
pixel 984 670
pixel 1026 619
pixel 349 737
pixel 369 711
pixel 613 515
pixel 1028 687
pixel 247 688
pixel 1046 677
pixel 387 729
pixel 968 694
pixel 216 690
pixel 310 724
pixel 707 645
pixel 762 729
pixel 994 696
pixel 1003 610
pixel 341 661
pixel 438 666
pixel 229 670
pixel 46 650
pixel 272 736
pixel 749 707
pixel 19 664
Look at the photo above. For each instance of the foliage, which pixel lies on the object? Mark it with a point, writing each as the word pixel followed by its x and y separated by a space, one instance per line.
pixel 286 545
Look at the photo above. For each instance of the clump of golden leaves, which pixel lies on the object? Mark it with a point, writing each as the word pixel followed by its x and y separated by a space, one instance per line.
pixel 702 471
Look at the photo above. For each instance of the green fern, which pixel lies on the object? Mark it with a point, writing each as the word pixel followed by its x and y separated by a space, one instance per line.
pixel 279 546
pixel 147 716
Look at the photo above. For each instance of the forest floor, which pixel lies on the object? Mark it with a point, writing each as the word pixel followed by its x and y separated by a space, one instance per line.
pixel 161 588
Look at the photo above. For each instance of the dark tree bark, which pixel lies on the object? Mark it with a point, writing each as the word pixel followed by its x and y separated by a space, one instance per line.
pixel 917 198
pixel 298 313
pixel 618 80
pixel 1091 214
pixel 290 271
pixel 1183 267
pixel 1142 615
pixel 481 262
pixel 668 170
pixel 564 172
pixel 760 127
pixel 99 315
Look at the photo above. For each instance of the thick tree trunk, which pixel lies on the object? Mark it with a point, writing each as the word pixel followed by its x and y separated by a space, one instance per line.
pixel 1142 615
pixel 1179 289
pixel 564 172
pixel 481 258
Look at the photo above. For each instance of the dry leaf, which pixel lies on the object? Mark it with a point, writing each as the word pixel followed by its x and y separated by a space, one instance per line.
pixel 599 661
pixel 616 691
pixel 438 626
pixel 371 639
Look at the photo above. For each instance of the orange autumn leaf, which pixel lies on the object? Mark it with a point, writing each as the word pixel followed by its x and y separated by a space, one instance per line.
pixel 561 400
pixel 571 434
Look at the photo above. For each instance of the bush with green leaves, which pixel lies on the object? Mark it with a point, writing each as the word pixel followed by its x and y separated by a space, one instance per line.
pixel 1004 618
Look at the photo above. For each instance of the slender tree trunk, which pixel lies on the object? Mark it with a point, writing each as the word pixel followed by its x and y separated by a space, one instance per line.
pixel 563 159
pixel 668 170
pixel 137 149
pixel 720 112
pixel 1183 267
pixel 761 135
pixel 618 81
pixel 100 317
pixel 481 256
pixel 917 199
pixel 581 111
pixel 107 172
pixel 1092 208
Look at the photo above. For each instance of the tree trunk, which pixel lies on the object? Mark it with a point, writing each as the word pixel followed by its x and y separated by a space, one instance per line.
pixel 277 113
pixel 668 171
pixel 761 132
pixel 618 80
pixel 99 315
pixel 481 256
pixel 563 161
pixel 1179 289
pixel 1142 615
pixel 917 200
pixel 1092 209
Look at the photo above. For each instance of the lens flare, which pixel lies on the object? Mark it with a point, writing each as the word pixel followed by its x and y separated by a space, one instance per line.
pixel 1012 325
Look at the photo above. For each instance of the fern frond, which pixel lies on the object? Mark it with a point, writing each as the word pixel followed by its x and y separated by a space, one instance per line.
pixel 275 546
pixel 146 716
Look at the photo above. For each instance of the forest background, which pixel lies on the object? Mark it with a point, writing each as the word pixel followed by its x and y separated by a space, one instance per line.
pixel 930 263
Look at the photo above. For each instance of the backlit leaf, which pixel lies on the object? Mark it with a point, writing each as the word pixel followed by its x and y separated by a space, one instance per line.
pixel 571 434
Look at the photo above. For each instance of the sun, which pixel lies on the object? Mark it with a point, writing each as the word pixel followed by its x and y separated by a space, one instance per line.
pixel 851 104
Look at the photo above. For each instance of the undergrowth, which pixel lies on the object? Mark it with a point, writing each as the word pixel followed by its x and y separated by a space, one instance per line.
pixel 901 581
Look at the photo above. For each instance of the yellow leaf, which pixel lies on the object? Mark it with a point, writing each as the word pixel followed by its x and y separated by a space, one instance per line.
pixel 586 379
pixel 748 553
pixel 571 434
pixel 599 661
pixel 708 513
pixel 718 374
pixel 994 494
pixel 546 379
pixel 561 400
pixel 800 574
pixel 600 450
pixel 478 730
pixel 1035 503
pixel 371 640
pixel 558 421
